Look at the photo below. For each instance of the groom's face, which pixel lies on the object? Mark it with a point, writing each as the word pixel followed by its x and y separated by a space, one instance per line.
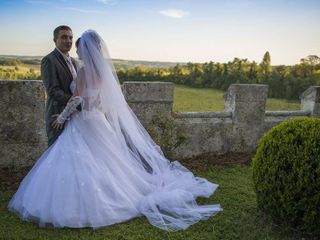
pixel 64 40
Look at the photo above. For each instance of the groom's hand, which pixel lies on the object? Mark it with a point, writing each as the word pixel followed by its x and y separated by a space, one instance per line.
pixel 55 123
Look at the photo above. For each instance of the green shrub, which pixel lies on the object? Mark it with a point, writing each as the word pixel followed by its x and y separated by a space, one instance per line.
pixel 286 174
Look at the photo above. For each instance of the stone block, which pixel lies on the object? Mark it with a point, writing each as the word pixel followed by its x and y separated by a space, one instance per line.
pixel 247 103
pixel 148 91
pixel 310 101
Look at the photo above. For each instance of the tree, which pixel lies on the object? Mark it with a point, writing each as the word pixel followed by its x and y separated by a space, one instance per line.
pixel 177 74
pixel 253 72
pixel 311 59
pixel 265 68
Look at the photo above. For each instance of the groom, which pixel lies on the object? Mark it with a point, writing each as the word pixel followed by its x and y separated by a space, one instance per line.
pixel 58 69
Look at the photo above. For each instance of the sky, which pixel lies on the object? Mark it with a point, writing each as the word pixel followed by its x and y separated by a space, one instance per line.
pixel 169 30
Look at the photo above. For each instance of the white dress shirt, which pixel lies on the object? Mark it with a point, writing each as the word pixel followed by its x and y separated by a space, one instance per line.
pixel 67 58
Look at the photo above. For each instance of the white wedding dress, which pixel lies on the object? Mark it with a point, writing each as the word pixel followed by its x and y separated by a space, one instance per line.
pixel 86 179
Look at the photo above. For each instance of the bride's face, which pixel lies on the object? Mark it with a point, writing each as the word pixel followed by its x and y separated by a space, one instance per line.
pixel 78 53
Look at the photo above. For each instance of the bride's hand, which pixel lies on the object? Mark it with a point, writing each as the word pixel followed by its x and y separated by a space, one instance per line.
pixel 70 99
pixel 55 123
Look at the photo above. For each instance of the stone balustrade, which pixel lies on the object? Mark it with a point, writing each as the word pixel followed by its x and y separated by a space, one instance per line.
pixel 188 134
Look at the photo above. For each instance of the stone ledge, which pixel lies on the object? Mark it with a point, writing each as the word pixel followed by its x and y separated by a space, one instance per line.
pixel 287 113
pixel 150 101
pixel 202 114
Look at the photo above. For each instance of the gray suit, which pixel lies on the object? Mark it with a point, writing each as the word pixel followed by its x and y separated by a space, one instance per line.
pixel 56 78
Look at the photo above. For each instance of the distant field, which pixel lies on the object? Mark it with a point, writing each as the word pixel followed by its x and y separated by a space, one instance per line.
pixel 119 63
pixel 23 67
pixel 188 99
pixel 22 71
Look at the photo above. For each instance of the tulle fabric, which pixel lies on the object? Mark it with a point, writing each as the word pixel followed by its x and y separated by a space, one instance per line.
pixel 85 180
pixel 104 168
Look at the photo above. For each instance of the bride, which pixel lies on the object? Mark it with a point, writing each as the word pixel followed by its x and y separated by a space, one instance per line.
pixel 104 168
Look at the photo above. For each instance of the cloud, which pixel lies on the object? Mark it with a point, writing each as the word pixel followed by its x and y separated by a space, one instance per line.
pixel 82 10
pixel 107 2
pixel 174 13
pixel 103 1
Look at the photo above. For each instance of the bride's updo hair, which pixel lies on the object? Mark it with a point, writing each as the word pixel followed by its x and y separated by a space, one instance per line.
pixel 95 38
pixel 92 36
pixel 78 42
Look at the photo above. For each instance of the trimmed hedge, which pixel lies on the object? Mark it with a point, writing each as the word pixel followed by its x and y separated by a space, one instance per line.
pixel 286 174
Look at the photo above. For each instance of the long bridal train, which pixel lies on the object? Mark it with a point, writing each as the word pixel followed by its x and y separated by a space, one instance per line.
pixel 104 167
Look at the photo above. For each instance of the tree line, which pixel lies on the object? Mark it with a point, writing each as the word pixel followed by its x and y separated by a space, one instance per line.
pixel 284 81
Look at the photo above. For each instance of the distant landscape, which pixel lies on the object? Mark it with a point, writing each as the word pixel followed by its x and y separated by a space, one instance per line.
pixel 120 63
pixel 13 67
pixel 285 82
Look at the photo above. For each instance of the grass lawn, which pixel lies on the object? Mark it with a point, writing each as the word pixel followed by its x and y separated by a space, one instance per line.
pixel 240 219
pixel 187 99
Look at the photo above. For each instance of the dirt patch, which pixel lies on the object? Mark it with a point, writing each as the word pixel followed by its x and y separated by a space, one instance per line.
pixel 10 178
pixel 201 163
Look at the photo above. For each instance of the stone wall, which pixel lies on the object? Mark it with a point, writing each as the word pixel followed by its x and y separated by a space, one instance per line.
pixel 182 135
pixel 22 127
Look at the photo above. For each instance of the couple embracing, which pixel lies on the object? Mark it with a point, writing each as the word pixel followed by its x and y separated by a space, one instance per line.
pixel 101 166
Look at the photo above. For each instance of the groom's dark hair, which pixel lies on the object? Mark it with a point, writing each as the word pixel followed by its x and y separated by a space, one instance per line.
pixel 58 29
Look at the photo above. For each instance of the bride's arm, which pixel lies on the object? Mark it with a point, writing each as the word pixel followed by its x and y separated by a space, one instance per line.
pixel 73 104
pixel 71 107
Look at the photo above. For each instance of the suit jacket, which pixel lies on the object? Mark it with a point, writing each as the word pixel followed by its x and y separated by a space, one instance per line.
pixel 56 78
